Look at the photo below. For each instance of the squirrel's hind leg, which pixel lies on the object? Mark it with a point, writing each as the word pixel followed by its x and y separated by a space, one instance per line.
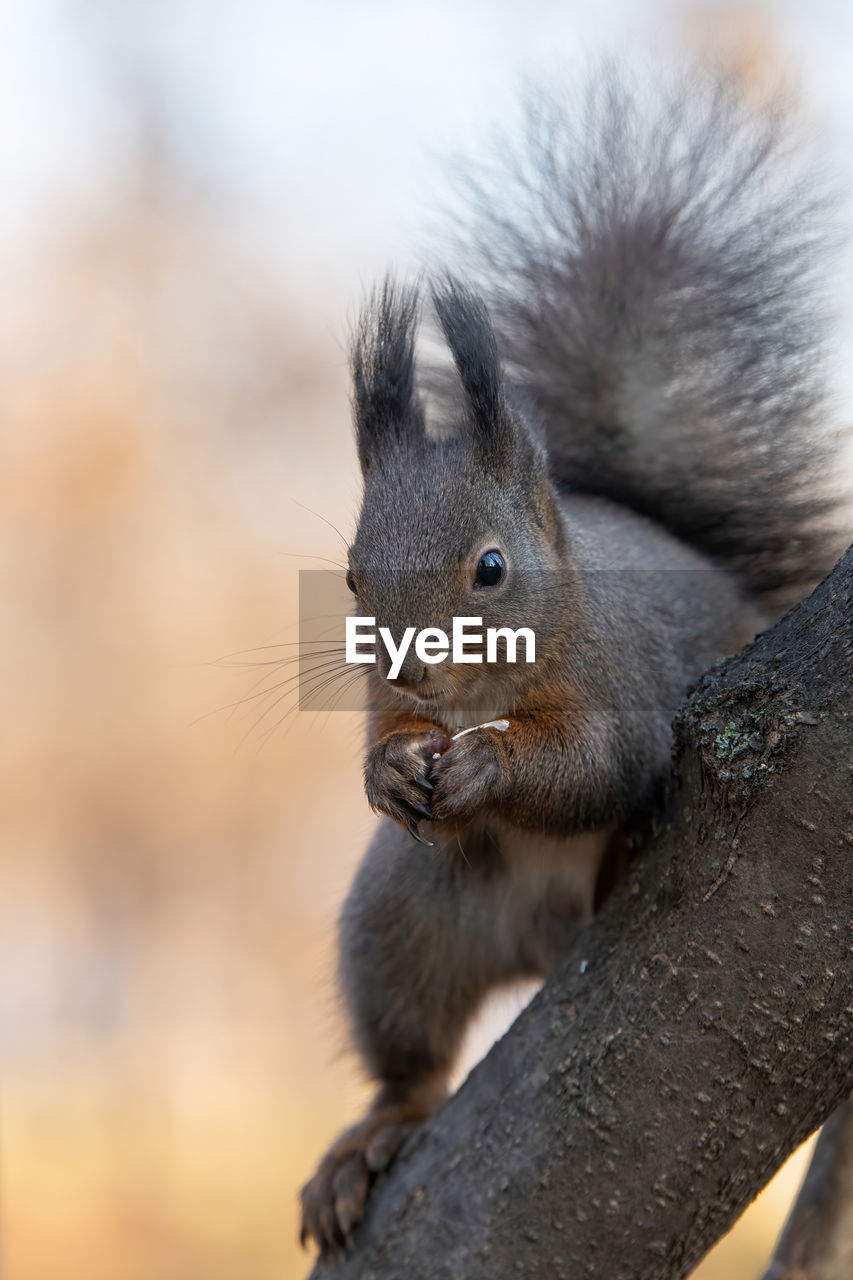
pixel 419 949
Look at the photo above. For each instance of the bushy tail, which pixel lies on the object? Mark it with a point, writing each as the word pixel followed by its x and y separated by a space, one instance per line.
pixel 653 267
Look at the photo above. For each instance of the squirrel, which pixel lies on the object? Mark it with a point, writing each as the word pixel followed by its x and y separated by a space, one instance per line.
pixel 636 468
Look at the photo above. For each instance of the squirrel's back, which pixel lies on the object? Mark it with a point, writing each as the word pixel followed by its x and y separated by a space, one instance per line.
pixel 653 266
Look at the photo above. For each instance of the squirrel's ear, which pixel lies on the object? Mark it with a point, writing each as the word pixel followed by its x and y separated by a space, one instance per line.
pixel 387 409
pixel 466 325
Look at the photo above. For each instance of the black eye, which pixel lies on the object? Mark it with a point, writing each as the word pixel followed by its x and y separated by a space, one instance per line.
pixel 490 569
pixel 351 582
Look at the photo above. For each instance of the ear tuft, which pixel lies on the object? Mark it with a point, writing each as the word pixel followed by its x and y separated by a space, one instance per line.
pixel 465 323
pixel 382 360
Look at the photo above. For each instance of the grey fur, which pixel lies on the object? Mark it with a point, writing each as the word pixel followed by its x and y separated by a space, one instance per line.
pixel 647 284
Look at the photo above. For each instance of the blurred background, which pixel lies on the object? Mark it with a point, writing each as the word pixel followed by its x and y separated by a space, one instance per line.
pixel 194 196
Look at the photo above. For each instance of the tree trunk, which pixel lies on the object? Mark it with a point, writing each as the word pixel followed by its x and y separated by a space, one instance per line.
pixel 697 1034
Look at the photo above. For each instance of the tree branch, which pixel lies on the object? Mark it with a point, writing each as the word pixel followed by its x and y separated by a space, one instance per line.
pixel 817 1242
pixel 700 1030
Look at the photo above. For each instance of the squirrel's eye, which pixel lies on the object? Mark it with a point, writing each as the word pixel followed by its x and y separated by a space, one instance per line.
pixel 490 569
pixel 351 582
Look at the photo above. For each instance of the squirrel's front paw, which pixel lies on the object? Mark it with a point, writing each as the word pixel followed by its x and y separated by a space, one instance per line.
pixel 397 776
pixel 470 775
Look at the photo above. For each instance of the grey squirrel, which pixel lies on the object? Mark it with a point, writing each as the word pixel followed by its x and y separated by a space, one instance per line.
pixel 636 468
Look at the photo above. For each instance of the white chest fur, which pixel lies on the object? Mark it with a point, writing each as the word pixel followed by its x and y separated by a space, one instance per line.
pixel 557 868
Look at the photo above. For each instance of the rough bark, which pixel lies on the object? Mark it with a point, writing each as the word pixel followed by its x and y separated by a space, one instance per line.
pixel 699 1031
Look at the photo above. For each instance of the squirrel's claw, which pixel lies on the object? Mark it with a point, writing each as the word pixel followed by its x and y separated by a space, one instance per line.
pixel 412 828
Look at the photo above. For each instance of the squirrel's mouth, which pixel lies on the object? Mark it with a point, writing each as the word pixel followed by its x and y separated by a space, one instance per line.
pixel 422 696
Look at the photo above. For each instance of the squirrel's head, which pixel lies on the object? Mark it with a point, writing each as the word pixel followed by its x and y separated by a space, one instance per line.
pixel 456 522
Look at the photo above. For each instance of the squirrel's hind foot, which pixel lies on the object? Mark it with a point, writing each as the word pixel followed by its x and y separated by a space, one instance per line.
pixel 334 1199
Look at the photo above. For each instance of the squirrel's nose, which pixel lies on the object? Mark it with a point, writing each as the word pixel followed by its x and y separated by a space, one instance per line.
pixel 412 670
pixel 412 674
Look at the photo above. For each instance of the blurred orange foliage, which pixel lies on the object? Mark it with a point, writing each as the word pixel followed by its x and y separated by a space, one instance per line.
pixel 170 872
